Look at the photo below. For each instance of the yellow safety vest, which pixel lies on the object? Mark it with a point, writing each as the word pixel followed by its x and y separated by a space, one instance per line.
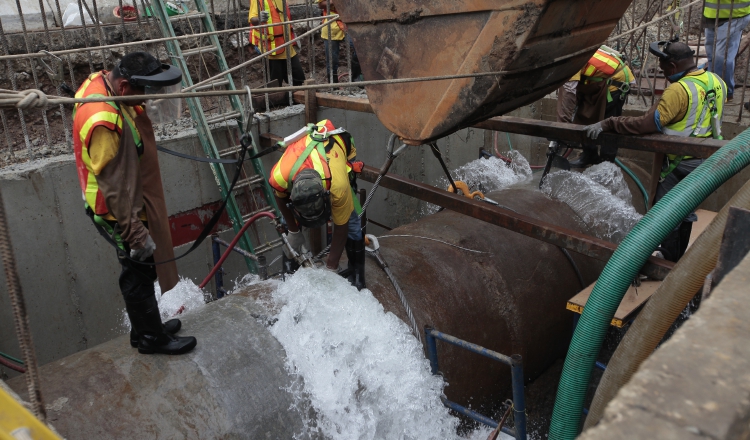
pixel 697 119
pixel 741 8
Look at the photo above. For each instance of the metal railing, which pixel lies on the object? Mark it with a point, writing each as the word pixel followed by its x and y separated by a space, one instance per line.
pixel 516 368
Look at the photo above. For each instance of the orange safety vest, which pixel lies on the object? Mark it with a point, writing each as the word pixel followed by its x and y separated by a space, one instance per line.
pixel 86 117
pixel 274 35
pixel 601 65
pixel 281 172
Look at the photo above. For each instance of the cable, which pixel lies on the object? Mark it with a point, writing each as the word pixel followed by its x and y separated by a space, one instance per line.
pixel 434 239
pixel 55 100
pixel 575 267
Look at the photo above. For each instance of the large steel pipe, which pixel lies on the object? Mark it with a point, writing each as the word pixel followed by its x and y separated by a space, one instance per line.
pixel 509 297
pixel 233 385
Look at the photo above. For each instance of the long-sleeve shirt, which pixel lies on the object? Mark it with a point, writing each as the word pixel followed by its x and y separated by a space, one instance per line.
pixel 671 108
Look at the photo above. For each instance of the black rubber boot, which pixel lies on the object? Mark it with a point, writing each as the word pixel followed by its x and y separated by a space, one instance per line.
pixel 588 157
pixel 145 318
pixel 355 253
pixel 172 326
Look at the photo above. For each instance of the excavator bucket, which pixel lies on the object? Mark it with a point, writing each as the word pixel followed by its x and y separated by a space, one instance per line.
pixel 539 43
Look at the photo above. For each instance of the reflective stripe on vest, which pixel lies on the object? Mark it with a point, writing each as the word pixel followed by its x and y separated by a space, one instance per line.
pixel 281 174
pixel 602 62
pixel 697 121
pixel 274 35
pixel 740 9
pixel 86 117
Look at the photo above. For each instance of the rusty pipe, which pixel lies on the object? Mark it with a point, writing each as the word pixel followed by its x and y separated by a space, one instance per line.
pixel 508 297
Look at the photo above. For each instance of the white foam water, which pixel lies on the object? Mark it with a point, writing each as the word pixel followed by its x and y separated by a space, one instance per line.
pixel 359 366
pixel 600 198
pixel 183 298
pixel 487 175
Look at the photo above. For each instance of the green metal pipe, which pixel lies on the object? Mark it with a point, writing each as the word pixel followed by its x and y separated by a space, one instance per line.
pixel 622 268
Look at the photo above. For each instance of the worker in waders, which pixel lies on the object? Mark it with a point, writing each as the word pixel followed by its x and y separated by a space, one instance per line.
pixel 315 180
pixel 118 170
pixel 599 90
pixel 692 106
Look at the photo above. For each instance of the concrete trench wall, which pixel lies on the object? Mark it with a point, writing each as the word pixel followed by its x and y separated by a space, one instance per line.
pixel 696 385
pixel 69 273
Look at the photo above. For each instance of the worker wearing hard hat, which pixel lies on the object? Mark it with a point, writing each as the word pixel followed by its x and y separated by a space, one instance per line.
pixel 333 35
pixel 264 12
pixel 692 106
pixel 118 170
pixel 313 182
pixel 599 90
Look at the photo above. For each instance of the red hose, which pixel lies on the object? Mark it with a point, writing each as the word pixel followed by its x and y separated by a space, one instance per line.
pixel 12 365
pixel 224 256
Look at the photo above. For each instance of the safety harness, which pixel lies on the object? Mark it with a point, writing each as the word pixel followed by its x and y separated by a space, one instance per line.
pixel 710 106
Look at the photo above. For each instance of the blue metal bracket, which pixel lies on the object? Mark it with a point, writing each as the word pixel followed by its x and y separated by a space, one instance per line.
pixel 515 362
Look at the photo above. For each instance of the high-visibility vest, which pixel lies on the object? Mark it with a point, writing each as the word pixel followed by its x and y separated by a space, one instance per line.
pixel 281 173
pixel 740 9
pixel 602 65
pixel 88 116
pixel 697 119
pixel 274 35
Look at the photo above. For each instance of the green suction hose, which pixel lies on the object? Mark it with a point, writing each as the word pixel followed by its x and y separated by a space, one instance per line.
pixel 636 180
pixel 622 268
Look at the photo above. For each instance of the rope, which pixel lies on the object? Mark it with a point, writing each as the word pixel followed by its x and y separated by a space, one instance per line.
pixel 54 100
pixel 20 317
pixel 150 41
pixel 661 17
pixel 24 100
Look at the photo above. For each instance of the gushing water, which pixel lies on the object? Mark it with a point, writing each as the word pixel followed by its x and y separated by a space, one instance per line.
pixel 359 367
pixel 599 196
pixel 182 298
pixel 487 175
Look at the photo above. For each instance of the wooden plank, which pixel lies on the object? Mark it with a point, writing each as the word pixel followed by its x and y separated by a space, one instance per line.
pixel 705 217
pixel 634 298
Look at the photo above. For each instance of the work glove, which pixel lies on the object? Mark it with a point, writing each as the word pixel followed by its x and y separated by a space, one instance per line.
pixel 263 17
pixel 297 242
pixel 594 130
pixel 146 251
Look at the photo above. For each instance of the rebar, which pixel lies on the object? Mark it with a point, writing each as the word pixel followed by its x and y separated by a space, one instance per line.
pixel 21 317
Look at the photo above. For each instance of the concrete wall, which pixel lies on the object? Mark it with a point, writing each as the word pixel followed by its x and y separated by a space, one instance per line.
pixel 696 385
pixel 69 273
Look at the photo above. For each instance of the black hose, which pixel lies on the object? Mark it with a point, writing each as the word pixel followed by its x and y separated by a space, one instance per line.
pixel 575 267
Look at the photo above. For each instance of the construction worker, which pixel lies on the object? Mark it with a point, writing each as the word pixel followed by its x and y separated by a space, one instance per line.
pixel 268 39
pixel 725 35
pixel 333 42
pixel 599 90
pixel 692 106
pixel 312 182
pixel 115 153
